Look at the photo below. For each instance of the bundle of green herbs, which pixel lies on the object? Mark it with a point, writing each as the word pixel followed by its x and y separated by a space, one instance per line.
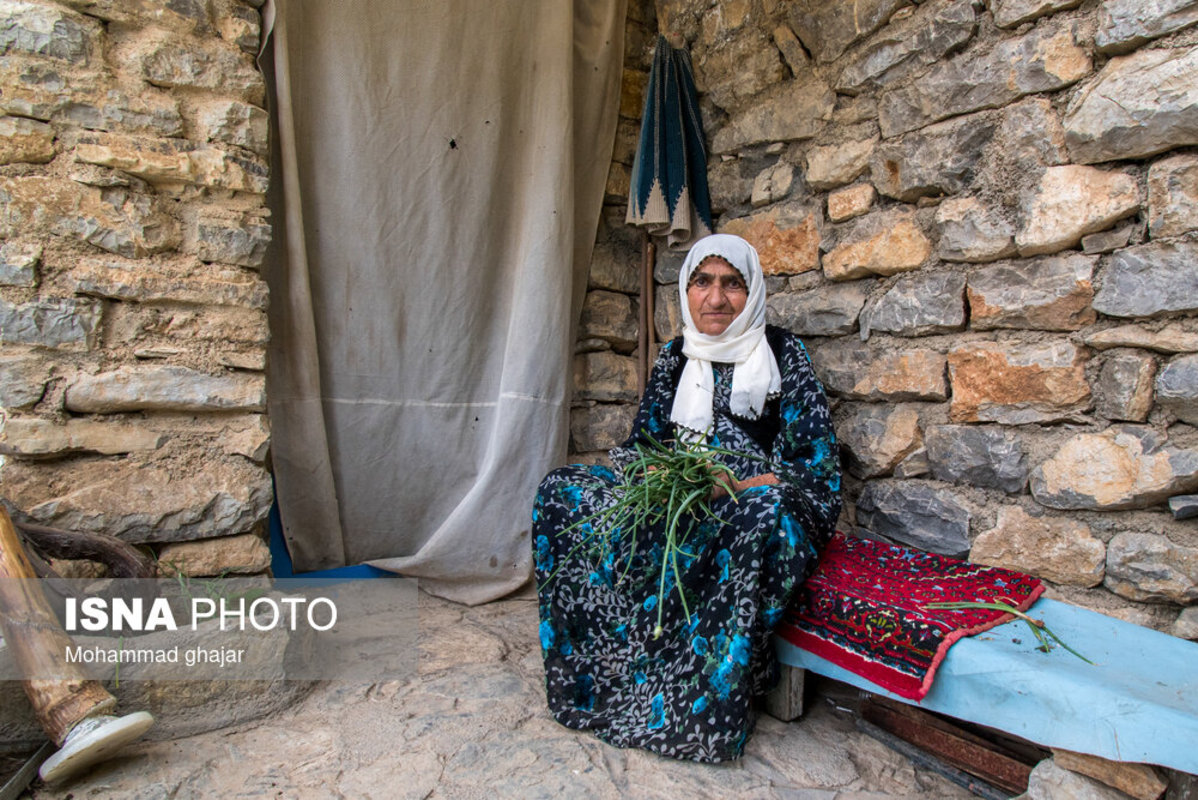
pixel 666 483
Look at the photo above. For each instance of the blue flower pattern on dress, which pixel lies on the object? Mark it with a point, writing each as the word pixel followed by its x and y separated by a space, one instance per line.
pixel 688 693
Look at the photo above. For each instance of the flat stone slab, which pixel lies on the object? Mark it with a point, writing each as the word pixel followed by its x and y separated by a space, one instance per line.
pixel 473 723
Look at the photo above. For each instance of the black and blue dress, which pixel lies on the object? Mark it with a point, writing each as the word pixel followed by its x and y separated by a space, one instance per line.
pixel 687 693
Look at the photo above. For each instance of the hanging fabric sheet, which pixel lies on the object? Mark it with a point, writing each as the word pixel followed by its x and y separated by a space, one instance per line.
pixel 439 177
pixel 668 196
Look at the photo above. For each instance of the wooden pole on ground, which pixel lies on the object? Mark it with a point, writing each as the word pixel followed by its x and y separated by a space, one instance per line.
pixel 39 645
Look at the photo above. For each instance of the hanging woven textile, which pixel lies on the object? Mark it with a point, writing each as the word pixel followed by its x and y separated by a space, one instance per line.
pixel 669 195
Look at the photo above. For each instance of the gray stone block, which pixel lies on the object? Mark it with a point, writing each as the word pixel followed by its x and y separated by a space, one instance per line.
pixel 1046 59
pixel 915 514
pixel 938 160
pixel 1124 387
pixel 918 305
pixel 1139 105
pixel 1184 506
pixel 23 380
pixel 1150 279
pixel 933 31
pixel 1150 568
pixel 971 231
pixel 827 29
pixel 50 323
pixel 165 388
pixel 1050 294
pixel 988 457
pixel 1009 13
pixel 239 240
pixel 43 30
pixel 18 264
pixel 1126 24
pixel 826 311
pixel 1177 388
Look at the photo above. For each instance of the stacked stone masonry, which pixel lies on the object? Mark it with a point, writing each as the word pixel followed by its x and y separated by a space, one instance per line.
pixel 982 217
pixel 134 154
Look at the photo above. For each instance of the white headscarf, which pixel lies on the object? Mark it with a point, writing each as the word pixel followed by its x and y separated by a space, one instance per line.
pixel 755 376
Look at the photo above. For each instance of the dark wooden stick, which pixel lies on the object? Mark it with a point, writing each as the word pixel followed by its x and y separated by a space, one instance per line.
pixel 122 559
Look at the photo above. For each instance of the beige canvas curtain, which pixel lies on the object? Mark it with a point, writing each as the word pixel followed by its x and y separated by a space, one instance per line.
pixel 439 177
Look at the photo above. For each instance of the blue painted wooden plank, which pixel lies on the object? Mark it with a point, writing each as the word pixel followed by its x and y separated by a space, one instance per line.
pixel 1138 702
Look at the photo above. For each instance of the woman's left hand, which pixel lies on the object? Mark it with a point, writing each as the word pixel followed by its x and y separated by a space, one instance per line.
pixel 726 480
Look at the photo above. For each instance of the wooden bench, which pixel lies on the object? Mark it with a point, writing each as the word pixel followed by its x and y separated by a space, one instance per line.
pixel 1138 702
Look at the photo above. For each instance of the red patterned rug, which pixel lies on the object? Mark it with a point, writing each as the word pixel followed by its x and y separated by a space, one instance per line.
pixel 865 610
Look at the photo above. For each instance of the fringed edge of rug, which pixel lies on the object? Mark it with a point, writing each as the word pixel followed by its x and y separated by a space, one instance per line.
pixel 956 635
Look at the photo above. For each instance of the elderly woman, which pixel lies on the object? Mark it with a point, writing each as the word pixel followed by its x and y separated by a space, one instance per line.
pixel 732 382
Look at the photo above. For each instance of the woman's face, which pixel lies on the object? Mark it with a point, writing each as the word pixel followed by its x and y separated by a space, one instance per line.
pixel 716 294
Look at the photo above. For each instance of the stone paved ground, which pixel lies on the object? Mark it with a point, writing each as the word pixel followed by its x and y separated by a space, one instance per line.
pixel 473 724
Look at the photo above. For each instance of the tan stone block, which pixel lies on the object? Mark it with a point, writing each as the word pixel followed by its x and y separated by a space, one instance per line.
pixel 787 239
pixel 203 63
pixel 1051 294
pixel 1119 468
pixel 878 437
pixel 122 222
pixel 619 183
pixel 601 426
pixel 1016 384
pixel 143 502
pixel 40 438
pixel 632 93
pixel 850 369
pixel 1173 196
pixel 1171 338
pixel 1048 781
pixel 792 49
pixel 739 68
pixel 1140 781
pixel 852 201
pixel 249 437
pixel 194 283
pixel 252 362
pixel 165 388
pixel 793 110
pixel 605 376
pixel 216 324
pixel 835 165
pixel 918 374
pixel 773 184
pixel 161 160
pixel 1072 201
pixel 238 555
pixel 1057 549
pixel 25 141
pixel 610 316
pixel 885 243
pixel 667 314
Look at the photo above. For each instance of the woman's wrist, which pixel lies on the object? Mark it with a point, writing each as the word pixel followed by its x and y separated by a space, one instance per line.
pixel 765 479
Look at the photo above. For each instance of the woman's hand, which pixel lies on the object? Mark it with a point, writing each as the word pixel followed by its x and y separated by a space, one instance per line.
pixel 726 480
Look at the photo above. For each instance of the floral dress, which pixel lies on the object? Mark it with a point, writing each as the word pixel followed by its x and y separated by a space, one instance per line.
pixel 688 692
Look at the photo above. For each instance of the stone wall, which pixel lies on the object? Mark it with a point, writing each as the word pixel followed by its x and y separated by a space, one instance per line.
pixel 133 172
pixel 983 220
